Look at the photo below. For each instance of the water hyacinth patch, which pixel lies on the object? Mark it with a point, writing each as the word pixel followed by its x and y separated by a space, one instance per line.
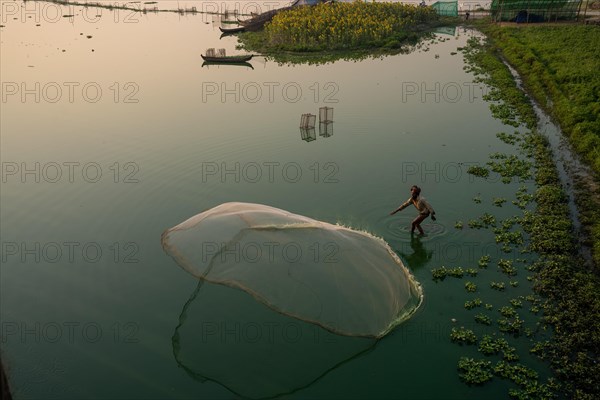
pixel 469 304
pixel 463 336
pixel 481 172
pixel 508 138
pixel 483 319
pixel 442 272
pixel 516 303
pixel 470 287
pixel 508 312
pixel 484 261
pixel 498 201
pixel 471 272
pixel 489 346
pixel 508 238
pixel 475 224
pixel 510 325
pixel 507 267
pixel 511 167
pixel 474 372
pixel 488 220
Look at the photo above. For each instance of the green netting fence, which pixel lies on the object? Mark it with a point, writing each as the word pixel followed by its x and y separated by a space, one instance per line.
pixel 446 8
pixel 535 10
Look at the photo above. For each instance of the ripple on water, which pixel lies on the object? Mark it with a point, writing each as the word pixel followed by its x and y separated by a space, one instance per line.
pixel 398 229
pixel 392 228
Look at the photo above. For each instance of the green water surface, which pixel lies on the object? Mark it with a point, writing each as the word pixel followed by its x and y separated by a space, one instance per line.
pixel 91 303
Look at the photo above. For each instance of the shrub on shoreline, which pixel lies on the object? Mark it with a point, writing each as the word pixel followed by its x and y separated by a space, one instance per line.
pixel 343 26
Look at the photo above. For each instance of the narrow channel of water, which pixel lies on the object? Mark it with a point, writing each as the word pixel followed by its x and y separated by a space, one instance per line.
pixel 568 164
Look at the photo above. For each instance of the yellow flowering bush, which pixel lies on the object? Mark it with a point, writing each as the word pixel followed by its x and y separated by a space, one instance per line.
pixel 345 25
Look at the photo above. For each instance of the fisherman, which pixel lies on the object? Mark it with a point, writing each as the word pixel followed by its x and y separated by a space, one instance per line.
pixel 421 205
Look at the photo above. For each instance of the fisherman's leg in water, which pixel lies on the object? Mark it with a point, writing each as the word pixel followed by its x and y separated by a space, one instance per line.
pixel 417 223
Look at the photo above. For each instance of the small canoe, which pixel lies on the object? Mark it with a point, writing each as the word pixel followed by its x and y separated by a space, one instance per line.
pixel 227 59
pixel 233 30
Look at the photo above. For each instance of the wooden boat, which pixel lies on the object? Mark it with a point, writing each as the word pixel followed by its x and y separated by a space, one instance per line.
pixel 232 30
pixel 227 59
pixel 257 22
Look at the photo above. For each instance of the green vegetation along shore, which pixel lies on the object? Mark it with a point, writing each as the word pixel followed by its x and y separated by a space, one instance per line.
pixel 568 290
pixel 559 66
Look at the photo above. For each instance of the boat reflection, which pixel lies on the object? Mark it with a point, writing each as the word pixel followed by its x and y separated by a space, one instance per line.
pixel 237 64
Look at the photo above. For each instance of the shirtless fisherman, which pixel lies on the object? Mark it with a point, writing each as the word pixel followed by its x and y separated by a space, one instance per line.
pixel 421 204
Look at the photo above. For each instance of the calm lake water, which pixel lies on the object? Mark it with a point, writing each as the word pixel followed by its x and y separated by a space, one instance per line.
pixel 113 131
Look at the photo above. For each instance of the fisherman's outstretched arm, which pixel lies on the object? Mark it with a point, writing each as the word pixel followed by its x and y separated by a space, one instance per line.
pixel 402 207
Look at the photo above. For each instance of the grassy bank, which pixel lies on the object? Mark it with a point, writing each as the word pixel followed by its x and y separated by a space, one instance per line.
pixel 568 292
pixel 341 27
pixel 559 66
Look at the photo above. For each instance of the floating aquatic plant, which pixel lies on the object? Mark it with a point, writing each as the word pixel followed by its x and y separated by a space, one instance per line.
pixel 483 319
pixel 484 261
pixel 488 220
pixel 516 303
pixel 474 372
pixel 508 138
pixel 475 224
pixel 508 238
pixel 470 287
pixel 498 201
pixel 442 272
pixel 490 346
pixel 508 312
pixel 507 267
pixel 478 171
pixel 469 304
pixel 510 325
pixel 512 166
pixel 471 272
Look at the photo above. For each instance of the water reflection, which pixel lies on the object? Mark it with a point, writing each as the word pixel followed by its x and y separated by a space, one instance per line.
pixel 445 30
pixel 418 42
pixel 308 134
pixel 419 256
pixel 325 129
pixel 207 64
pixel 226 336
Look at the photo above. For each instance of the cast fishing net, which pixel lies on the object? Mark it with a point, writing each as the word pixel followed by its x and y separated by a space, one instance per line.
pixel 346 281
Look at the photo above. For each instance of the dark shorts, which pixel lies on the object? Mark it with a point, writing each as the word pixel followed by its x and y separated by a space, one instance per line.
pixel 425 214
